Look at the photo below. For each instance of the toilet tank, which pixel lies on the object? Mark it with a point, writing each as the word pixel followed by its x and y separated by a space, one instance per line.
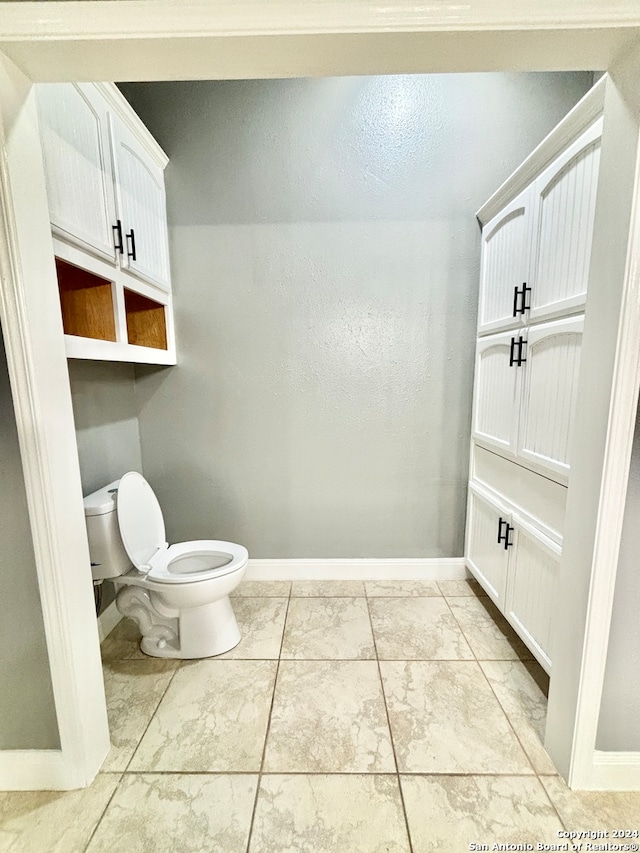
pixel 108 557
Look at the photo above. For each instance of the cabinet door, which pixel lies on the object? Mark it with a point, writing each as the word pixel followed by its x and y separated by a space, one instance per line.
pixel 550 384
pixel 75 147
pixel 141 207
pixel 496 394
pixel 531 589
pixel 564 204
pixel 504 265
pixel 487 558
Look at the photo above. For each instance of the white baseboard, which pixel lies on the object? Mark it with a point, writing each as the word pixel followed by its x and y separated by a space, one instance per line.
pixel 358 569
pixel 33 770
pixel 615 771
pixel 108 620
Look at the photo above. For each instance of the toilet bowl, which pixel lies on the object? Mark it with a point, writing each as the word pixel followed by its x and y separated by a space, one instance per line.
pixel 177 594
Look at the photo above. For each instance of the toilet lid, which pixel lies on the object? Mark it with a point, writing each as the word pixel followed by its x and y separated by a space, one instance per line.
pixel 140 519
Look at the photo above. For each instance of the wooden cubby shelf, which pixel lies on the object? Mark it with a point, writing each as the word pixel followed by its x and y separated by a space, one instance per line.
pixel 87 303
pixel 146 321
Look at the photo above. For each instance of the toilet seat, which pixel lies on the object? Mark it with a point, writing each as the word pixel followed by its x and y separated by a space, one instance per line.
pixel 187 561
pixel 143 535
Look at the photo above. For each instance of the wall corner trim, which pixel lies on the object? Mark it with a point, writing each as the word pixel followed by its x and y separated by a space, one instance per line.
pixel 429 568
pixel 108 620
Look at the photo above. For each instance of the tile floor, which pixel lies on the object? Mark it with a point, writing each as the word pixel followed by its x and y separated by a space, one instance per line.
pixel 370 718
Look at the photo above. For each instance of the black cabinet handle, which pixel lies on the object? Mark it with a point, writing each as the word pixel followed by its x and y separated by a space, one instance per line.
pixel 117 237
pixel 520 358
pixel 508 530
pixel 522 295
pixel 504 537
pixel 501 521
pixel 131 245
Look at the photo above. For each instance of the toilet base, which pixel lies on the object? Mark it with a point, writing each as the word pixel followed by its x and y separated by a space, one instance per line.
pixel 195 632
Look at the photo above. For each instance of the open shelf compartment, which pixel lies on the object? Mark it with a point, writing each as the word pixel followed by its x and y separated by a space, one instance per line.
pixel 146 321
pixel 86 301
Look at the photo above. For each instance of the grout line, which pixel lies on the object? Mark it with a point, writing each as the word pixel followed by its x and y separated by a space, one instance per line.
pixel 266 736
pixel 155 710
pixel 104 811
pixel 393 745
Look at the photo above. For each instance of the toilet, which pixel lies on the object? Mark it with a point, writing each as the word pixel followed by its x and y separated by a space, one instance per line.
pixel 178 594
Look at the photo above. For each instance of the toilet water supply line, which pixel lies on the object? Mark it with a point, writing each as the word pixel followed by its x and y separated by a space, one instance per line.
pixel 136 604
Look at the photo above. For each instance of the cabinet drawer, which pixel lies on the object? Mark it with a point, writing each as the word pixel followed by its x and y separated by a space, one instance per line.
pixel 542 500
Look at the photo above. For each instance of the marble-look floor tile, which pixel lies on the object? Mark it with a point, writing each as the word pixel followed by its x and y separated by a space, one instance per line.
pixel 53 821
pixel 446 814
pixel 328 629
pixel 192 814
pixel 463 588
pixel 445 719
pixel 417 629
pixel 261 623
pixel 213 718
pixel 487 631
pixel 328 717
pixel 262 589
pixel 395 589
pixel 133 689
pixel 605 810
pixel 123 643
pixel 329 814
pixel 518 688
pixel 330 589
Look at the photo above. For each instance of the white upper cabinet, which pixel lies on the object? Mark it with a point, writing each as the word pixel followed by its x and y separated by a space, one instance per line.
pixel 505 266
pixel 75 147
pixel 564 203
pixel 497 393
pixel 141 206
pixel 550 383
pixel 105 178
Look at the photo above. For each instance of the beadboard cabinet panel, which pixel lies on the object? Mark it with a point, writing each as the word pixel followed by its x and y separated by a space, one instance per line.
pixel 505 265
pixel 550 383
pixel 564 202
pixel 75 147
pixel 531 590
pixel 487 558
pixel 496 394
pixel 141 205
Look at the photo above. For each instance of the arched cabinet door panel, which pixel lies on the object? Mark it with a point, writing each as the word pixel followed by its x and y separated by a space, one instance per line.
pixel 531 588
pixel 487 522
pixel 496 394
pixel 505 266
pixel 550 384
pixel 564 205
pixel 142 208
pixel 75 148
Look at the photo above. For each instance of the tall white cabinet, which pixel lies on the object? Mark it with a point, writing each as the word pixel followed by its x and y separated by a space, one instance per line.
pixel 536 244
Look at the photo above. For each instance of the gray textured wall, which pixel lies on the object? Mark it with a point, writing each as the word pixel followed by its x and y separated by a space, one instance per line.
pixel 619 724
pixel 27 708
pixel 325 266
pixel 106 419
